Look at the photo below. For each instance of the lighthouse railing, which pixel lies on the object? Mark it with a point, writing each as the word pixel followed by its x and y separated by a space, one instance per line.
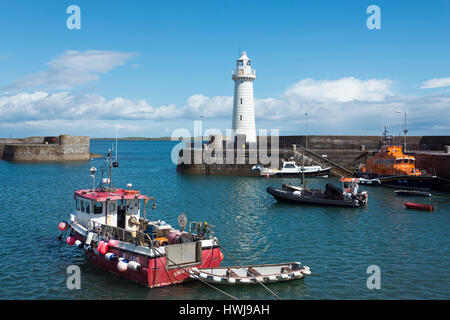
pixel 243 72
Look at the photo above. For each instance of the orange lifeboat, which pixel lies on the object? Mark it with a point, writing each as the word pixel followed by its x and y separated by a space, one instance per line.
pixel 394 168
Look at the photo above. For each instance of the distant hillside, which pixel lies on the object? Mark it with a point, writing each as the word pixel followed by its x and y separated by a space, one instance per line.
pixel 136 139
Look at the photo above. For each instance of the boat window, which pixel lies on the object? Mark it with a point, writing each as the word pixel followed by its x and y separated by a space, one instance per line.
pixel 112 207
pixel 241 63
pixel 98 207
pixel 88 207
pixel 289 165
pixel 82 206
pixel 398 161
pixel 77 204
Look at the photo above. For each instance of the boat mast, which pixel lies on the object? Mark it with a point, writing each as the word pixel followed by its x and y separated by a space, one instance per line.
pixel 116 144
pixel 303 153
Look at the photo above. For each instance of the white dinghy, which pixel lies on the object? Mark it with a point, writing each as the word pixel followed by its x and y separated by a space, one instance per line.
pixel 251 274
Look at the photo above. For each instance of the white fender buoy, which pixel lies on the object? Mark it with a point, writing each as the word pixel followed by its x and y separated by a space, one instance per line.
pixel 110 256
pixel 78 244
pixel 122 265
pixel 133 265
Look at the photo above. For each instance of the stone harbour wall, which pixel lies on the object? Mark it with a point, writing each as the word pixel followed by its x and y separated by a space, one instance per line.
pixel 46 149
pixel 347 151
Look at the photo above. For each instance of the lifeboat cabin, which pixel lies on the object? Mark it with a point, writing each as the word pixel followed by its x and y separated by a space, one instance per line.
pixel 390 161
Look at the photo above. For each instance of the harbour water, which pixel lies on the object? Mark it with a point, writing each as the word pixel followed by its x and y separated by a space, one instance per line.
pixel 411 248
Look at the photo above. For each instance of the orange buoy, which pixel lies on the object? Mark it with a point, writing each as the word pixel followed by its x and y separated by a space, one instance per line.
pixel 104 248
pixel 70 240
pixel 63 226
pixel 100 245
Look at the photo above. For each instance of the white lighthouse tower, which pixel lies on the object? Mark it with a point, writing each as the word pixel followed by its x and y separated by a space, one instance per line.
pixel 243 104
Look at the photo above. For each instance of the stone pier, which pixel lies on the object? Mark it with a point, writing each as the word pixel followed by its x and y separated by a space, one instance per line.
pixel 46 149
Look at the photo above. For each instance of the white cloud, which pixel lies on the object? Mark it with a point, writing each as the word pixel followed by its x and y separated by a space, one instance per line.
pixel 341 90
pixel 73 68
pixel 66 105
pixel 436 83
pixel 363 109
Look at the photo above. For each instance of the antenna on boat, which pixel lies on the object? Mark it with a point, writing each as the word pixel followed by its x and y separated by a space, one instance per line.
pixel 109 162
pixel 303 153
pixel 116 163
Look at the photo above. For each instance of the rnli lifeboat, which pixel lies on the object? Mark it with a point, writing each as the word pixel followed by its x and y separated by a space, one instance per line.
pixel 394 169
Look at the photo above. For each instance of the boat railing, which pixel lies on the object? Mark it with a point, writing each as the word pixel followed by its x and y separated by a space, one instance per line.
pixel 121 234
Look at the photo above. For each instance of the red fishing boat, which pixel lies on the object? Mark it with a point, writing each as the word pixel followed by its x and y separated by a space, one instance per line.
pixel 109 224
pixel 419 206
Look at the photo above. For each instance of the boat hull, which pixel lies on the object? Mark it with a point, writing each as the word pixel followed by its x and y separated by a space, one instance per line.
pixel 243 275
pixel 369 182
pixel 412 193
pixel 418 206
pixel 154 271
pixel 403 181
pixel 319 173
pixel 287 196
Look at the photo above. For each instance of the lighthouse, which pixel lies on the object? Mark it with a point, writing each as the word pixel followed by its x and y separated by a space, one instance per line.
pixel 243 103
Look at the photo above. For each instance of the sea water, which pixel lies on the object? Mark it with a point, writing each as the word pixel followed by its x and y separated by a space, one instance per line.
pixel 410 248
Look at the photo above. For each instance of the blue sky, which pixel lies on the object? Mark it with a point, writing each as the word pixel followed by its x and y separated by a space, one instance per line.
pixel 171 62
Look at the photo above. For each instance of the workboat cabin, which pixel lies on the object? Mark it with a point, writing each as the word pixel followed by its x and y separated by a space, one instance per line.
pixel 116 208
pixel 120 214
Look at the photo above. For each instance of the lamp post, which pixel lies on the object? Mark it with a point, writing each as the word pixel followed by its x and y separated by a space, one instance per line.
pixel 404 130
pixel 306 143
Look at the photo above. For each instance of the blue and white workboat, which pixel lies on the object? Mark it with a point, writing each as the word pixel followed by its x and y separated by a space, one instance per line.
pixel 291 169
